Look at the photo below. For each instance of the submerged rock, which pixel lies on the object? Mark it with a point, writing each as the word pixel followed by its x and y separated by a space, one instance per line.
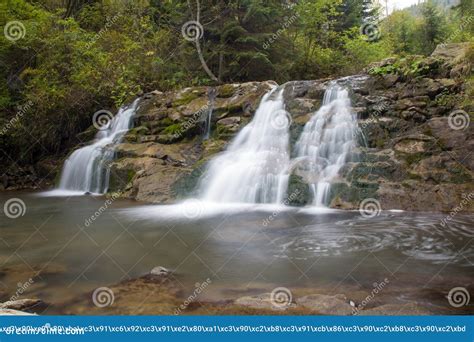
pixel 327 305
pixel 262 302
pixel 410 309
pixel 22 305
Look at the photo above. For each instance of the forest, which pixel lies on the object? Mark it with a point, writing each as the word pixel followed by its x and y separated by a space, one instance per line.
pixel 63 60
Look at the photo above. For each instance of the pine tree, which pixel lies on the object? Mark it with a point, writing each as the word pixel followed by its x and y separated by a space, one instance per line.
pixel 433 27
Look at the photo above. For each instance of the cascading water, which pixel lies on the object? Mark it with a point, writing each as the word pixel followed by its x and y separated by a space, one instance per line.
pixel 253 168
pixel 87 169
pixel 327 140
pixel 212 96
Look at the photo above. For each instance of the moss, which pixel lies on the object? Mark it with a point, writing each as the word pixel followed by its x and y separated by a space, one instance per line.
pixel 459 175
pixel 412 158
pixel 185 98
pixel 414 176
pixel 355 192
pixel 446 99
pixel 173 129
pixel 141 130
pixel 166 122
pixel 120 178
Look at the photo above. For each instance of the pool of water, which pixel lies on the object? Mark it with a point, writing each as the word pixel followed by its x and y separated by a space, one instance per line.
pixel 72 245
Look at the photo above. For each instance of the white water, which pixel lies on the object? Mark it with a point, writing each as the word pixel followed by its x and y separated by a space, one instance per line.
pixel 254 167
pixel 326 142
pixel 212 96
pixel 86 169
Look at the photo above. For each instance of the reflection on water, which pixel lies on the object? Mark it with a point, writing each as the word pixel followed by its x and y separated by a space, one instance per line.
pixel 239 247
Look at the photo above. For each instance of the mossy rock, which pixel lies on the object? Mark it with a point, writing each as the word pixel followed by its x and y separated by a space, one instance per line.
pixel 353 193
pixel 141 130
pixel 298 194
pixel 226 90
pixel 459 175
pixel 120 178
pixel 173 129
pixel 185 98
pixel 187 184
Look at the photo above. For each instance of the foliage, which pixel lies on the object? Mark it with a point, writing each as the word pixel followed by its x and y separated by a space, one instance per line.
pixel 80 56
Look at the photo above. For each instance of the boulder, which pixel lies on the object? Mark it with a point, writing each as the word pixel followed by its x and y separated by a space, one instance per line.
pixel 160 271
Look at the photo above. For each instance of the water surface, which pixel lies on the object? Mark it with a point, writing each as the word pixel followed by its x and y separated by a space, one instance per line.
pixel 243 249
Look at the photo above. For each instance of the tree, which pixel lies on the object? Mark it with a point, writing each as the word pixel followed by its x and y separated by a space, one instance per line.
pixel 433 28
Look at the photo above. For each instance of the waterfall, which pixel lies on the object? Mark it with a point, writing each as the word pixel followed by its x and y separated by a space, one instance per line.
pixel 212 96
pixel 326 142
pixel 87 168
pixel 253 169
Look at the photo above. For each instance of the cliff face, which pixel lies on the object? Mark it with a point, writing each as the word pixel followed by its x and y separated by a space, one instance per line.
pixel 414 156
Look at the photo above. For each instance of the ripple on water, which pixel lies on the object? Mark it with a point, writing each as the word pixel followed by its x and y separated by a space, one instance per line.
pixel 420 237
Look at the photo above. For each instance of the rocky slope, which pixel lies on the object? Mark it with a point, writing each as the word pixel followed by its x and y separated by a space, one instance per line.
pixel 413 159
pixel 413 156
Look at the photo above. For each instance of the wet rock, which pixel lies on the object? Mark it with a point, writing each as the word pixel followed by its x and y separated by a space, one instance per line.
pixel 327 305
pixel 11 312
pixel 229 125
pixel 389 80
pixel 300 106
pixel 410 309
pixel 24 305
